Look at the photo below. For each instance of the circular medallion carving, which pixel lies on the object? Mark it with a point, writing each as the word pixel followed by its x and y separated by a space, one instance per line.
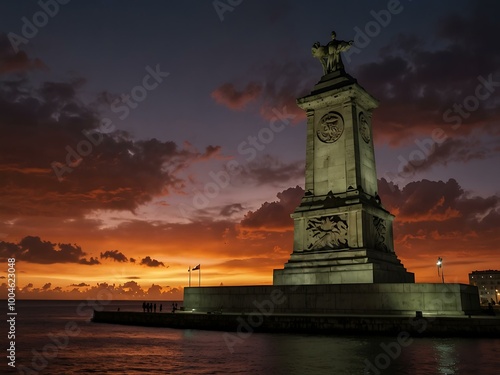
pixel 364 128
pixel 330 127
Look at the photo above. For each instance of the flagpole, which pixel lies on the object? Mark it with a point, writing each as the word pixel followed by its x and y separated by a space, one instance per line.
pixel 199 276
pixel 189 272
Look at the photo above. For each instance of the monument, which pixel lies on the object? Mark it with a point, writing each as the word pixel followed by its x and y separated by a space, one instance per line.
pixel 342 233
pixel 343 259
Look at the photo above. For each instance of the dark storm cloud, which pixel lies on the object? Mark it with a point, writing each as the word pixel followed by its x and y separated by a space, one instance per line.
pixel 451 150
pixel 270 170
pixel 275 215
pixel 16 62
pixel 116 255
pixel 423 200
pixel 147 261
pixel 132 285
pixel 46 128
pixel 210 152
pixel 79 285
pixel 418 82
pixel 284 83
pixel 64 92
pixel 440 218
pixel 8 250
pixel 34 250
pixel 441 209
pixel 91 262
pixel 230 209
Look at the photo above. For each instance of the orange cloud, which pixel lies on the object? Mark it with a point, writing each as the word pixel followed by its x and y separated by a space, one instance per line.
pixel 228 95
pixel 280 85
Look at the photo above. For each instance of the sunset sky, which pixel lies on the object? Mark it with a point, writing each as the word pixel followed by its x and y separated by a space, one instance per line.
pixel 120 120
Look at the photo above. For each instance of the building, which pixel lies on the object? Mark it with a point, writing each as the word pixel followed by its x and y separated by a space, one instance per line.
pixel 488 283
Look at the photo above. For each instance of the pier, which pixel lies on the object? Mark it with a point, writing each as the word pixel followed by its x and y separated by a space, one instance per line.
pixel 415 326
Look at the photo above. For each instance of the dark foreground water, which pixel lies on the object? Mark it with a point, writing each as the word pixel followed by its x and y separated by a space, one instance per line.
pixel 56 337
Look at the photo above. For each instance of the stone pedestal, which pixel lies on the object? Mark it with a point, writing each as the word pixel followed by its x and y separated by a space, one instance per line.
pixel 343 267
pixel 356 248
pixel 342 233
pixel 367 299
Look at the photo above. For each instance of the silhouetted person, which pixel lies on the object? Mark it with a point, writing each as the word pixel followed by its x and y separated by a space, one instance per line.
pixel 155 307
pixel 176 305
pixel 161 307
pixel 144 306
pixel 173 307
pixel 490 309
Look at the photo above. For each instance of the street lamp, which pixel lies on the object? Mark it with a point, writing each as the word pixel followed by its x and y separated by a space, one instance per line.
pixel 440 267
pixel 496 295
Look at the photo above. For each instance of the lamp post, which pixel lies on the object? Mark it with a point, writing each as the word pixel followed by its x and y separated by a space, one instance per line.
pixel 440 267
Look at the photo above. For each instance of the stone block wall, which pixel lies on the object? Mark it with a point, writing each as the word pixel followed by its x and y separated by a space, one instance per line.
pixel 378 299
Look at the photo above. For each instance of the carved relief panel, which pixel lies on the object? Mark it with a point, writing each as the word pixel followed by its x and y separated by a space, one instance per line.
pixel 380 234
pixel 330 127
pixel 364 128
pixel 327 233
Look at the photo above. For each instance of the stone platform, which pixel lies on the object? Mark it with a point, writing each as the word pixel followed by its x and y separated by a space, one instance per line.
pixel 342 267
pixel 368 299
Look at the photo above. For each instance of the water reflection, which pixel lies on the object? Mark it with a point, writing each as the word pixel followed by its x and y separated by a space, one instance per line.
pixel 114 349
pixel 295 354
pixel 446 356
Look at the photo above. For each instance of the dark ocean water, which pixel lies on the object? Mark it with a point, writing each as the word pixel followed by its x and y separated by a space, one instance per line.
pixel 56 337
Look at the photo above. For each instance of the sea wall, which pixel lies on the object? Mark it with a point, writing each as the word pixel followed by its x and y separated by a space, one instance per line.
pixel 260 322
pixel 374 299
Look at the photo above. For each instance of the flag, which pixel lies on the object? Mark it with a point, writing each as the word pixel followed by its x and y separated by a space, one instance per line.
pixel 196 268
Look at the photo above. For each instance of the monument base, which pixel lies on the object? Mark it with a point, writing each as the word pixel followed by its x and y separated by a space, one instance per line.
pixel 367 299
pixel 342 267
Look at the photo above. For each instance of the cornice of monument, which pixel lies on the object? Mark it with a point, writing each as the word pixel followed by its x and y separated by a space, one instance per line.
pixel 351 198
pixel 338 93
